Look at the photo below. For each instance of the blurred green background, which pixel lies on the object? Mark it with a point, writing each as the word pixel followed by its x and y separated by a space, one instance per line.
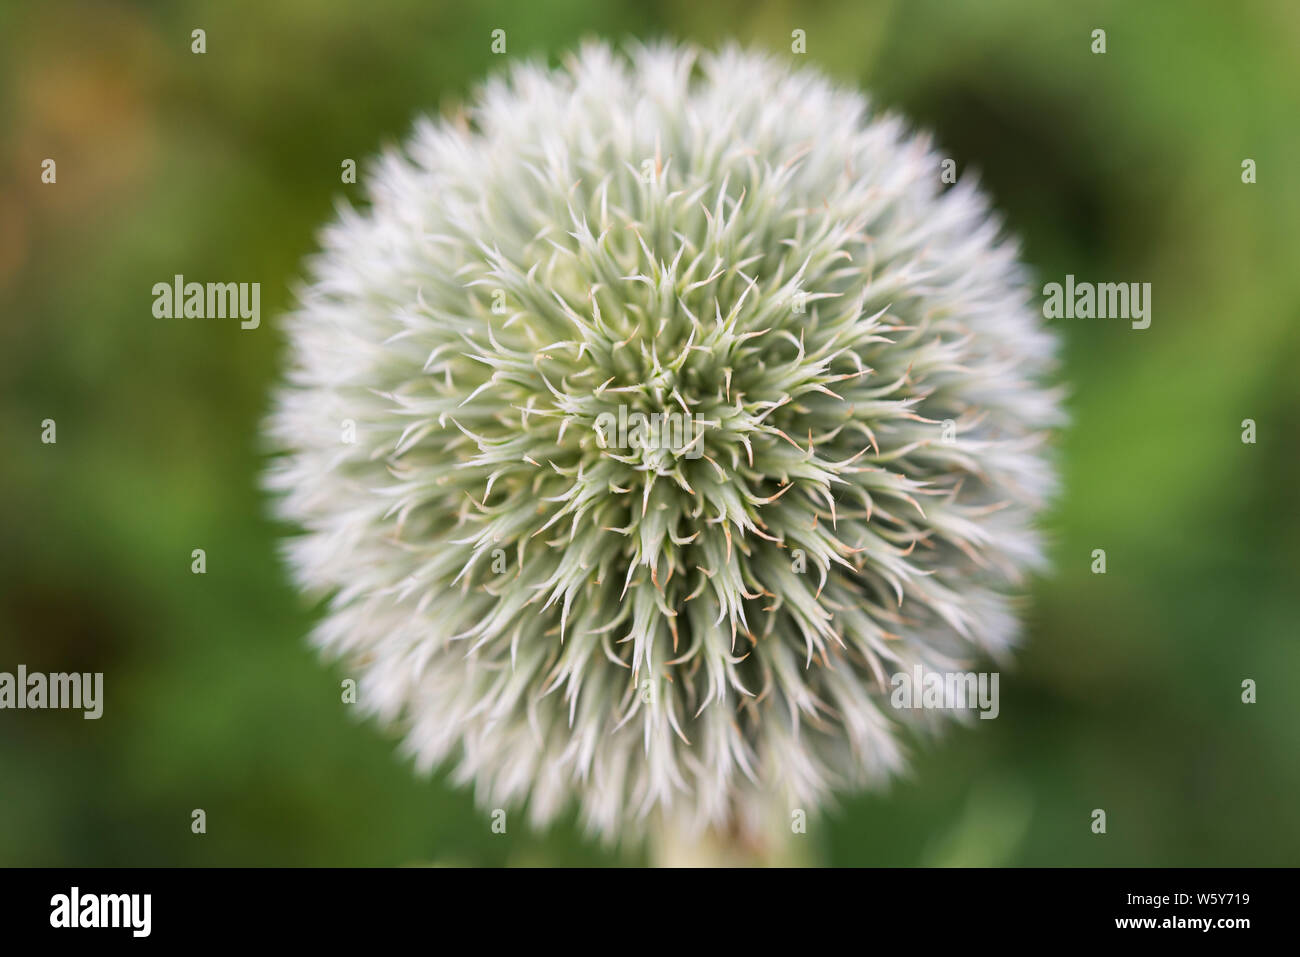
pixel 1117 167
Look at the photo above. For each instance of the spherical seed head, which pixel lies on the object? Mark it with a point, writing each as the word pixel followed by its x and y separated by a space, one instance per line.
pixel 653 413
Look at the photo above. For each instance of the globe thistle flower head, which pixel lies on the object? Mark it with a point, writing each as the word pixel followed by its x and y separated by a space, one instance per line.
pixel 686 406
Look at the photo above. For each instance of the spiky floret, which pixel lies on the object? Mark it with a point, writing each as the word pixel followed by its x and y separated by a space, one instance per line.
pixel 698 628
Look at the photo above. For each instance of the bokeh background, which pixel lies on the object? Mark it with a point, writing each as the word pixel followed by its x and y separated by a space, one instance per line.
pixel 1117 167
